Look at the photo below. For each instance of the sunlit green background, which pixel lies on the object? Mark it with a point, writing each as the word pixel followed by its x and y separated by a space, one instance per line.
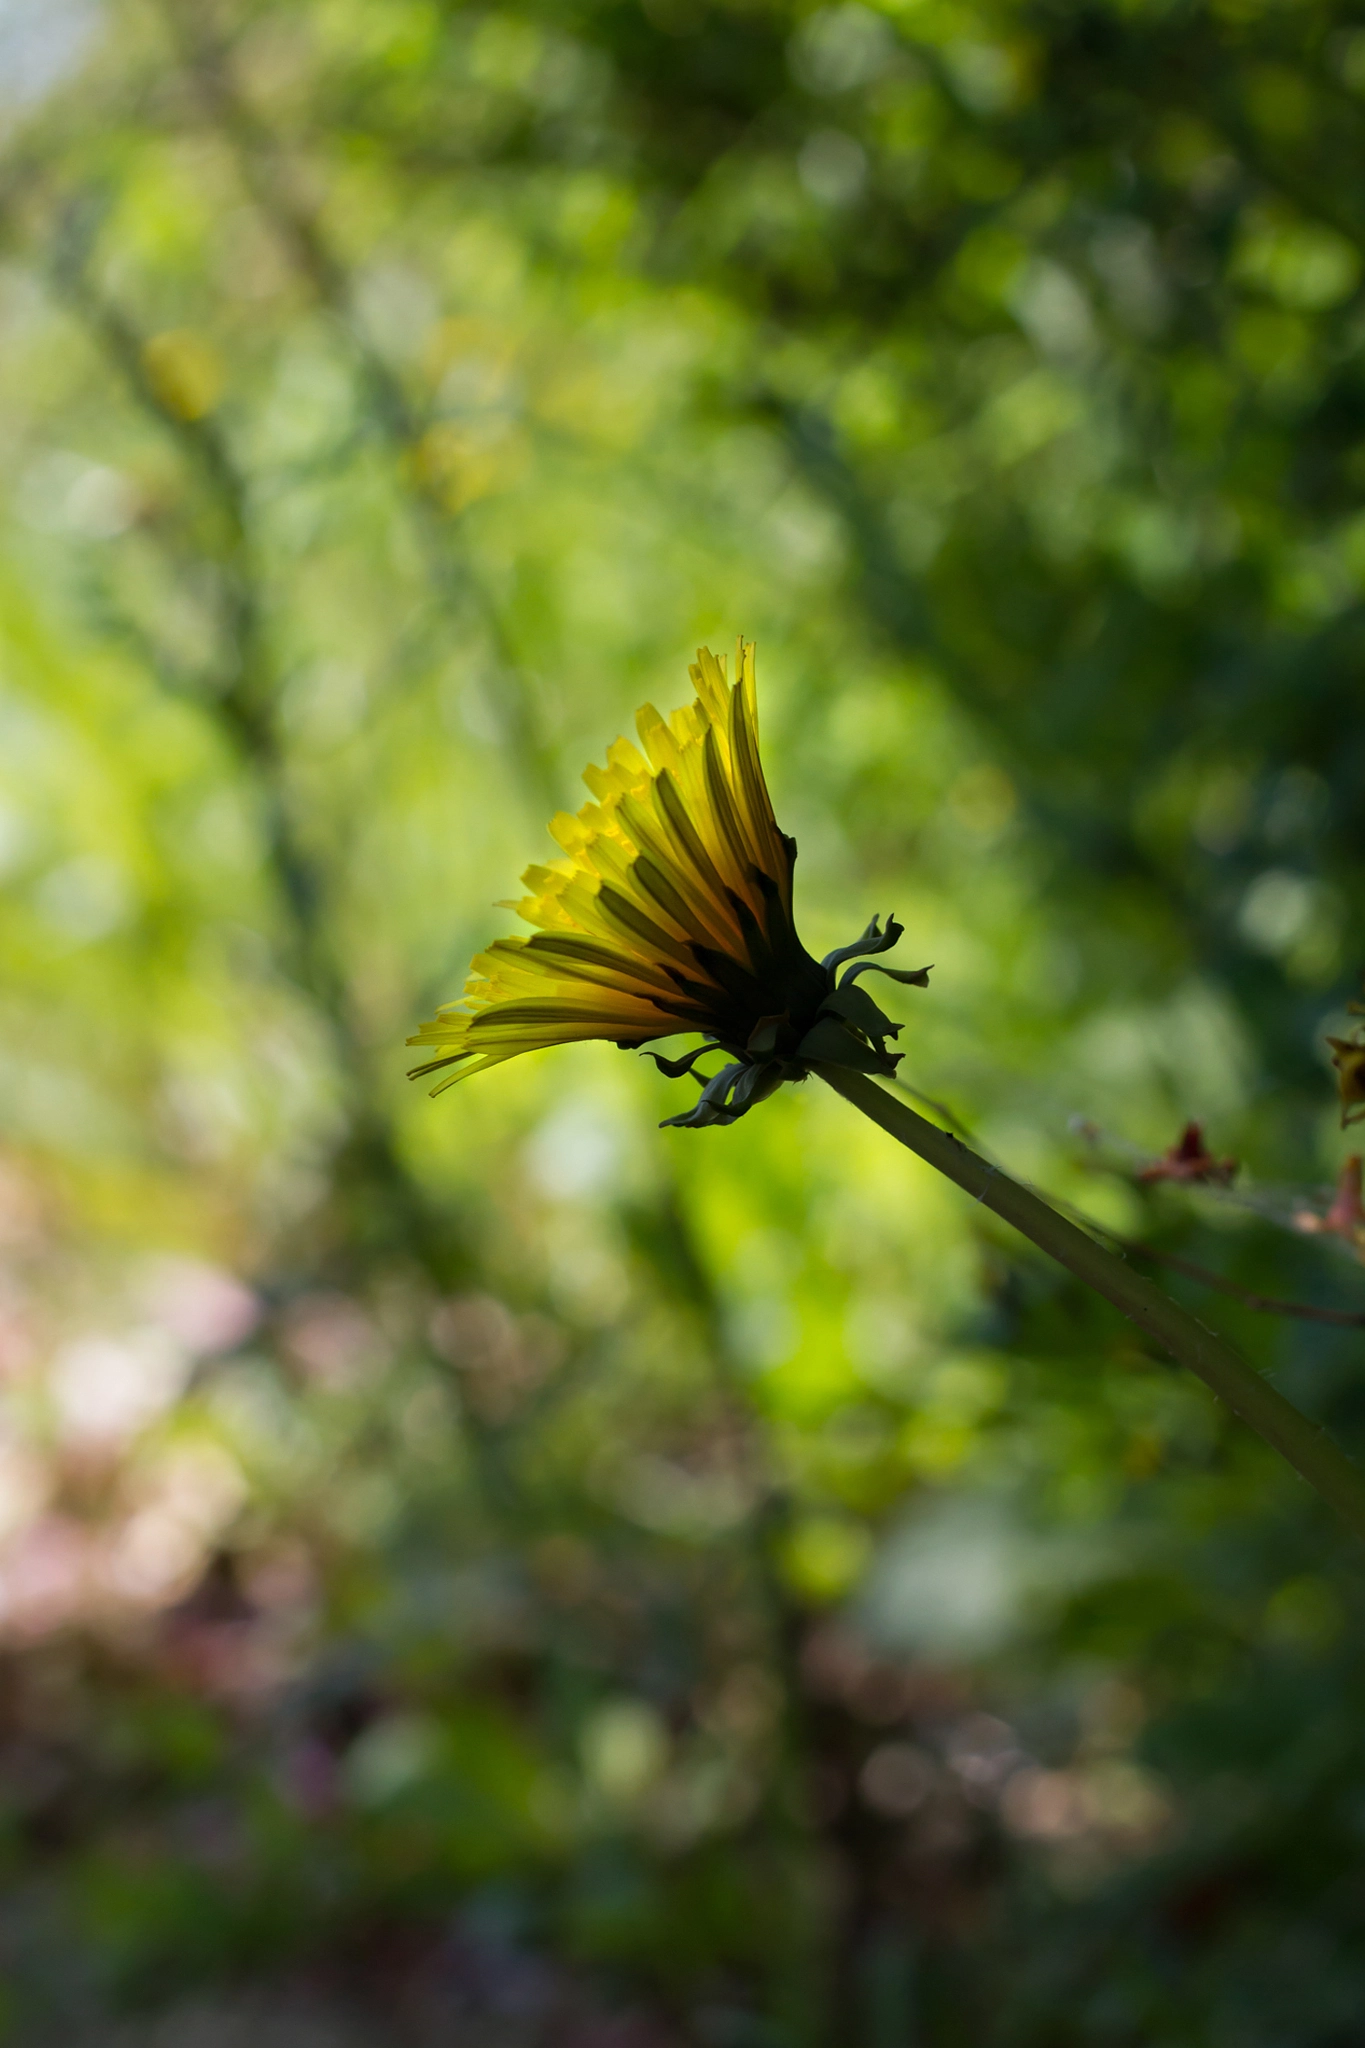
pixel 490 1572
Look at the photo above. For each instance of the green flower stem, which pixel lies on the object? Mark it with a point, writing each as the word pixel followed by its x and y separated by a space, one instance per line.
pixel 1308 1449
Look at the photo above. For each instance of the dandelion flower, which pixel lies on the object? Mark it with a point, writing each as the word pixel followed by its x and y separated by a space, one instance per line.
pixel 672 913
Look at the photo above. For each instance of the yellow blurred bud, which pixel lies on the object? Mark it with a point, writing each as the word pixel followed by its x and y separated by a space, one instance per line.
pixel 458 464
pixel 824 1556
pixel 185 371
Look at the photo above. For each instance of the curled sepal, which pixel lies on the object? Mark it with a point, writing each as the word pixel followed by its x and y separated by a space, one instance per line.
pixel 855 1006
pixel 873 940
pixel 675 1069
pixel 910 977
pixel 728 1094
pixel 711 1106
pixel 766 1033
pixel 833 1043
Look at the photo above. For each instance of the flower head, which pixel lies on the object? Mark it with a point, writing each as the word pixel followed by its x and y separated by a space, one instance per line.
pixel 1348 1057
pixel 671 913
pixel 1190 1159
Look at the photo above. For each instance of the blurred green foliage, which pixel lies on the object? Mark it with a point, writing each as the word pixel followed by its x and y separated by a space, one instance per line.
pixel 491 1571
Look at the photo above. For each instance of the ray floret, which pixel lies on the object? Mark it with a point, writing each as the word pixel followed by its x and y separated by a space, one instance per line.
pixel 671 912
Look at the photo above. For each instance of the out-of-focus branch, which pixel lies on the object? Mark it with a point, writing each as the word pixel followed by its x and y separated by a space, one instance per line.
pixel 245 693
pixel 390 1206
pixel 1265 1304
pixel 1300 1441
pixel 272 183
